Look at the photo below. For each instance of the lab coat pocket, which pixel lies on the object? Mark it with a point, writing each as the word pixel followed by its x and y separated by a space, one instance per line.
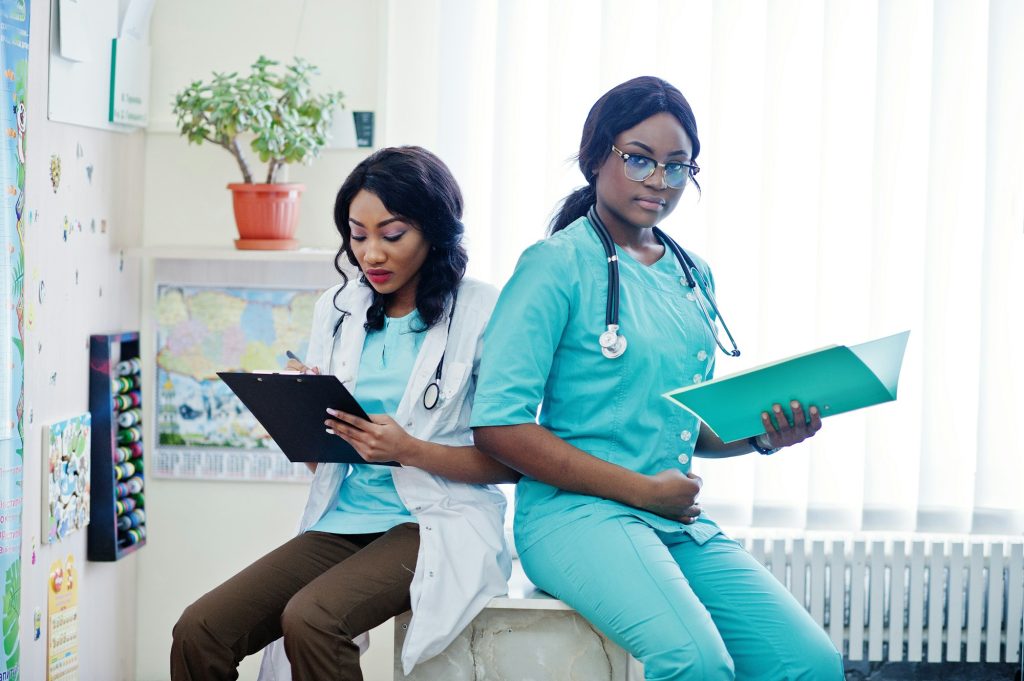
pixel 454 381
pixel 451 414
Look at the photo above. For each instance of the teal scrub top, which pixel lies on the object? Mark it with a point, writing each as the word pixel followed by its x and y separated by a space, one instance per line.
pixel 368 501
pixel 541 352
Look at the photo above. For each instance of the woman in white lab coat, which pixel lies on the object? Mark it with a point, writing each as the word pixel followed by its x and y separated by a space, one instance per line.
pixel 376 540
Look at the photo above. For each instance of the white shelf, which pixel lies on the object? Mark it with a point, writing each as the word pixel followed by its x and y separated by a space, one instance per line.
pixel 318 255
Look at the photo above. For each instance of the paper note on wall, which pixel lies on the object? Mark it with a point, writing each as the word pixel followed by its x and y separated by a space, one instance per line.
pixel 75 40
pixel 62 622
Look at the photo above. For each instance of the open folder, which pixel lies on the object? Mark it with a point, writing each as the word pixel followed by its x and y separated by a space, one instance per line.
pixel 835 379
pixel 293 408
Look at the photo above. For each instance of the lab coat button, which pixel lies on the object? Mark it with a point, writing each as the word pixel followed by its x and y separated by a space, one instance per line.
pixel 684 458
pixel 701 356
pixel 697 378
pixel 408 424
pixel 430 574
pixel 685 436
pixel 426 527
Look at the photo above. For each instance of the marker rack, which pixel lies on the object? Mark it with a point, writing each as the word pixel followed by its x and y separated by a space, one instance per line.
pixel 117 525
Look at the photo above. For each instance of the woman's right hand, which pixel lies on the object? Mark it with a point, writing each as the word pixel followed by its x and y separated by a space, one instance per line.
pixel 296 365
pixel 673 494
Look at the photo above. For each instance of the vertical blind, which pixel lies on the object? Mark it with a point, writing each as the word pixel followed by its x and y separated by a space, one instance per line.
pixel 862 172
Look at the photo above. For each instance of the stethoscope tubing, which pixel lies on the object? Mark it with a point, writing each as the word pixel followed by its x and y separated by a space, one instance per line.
pixel 432 393
pixel 612 343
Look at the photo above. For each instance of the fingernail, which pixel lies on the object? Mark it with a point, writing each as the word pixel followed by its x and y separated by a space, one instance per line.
pixel 764 415
pixel 328 431
pixel 794 404
pixel 778 409
pixel 814 410
pixel 332 412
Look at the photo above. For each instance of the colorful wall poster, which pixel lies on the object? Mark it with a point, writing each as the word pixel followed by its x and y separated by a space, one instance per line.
pixel 14 32
pixel 62 622
pixel 66 477
pixel 203 330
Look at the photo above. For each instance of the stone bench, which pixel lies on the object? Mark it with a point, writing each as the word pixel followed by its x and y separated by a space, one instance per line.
pixel 525 635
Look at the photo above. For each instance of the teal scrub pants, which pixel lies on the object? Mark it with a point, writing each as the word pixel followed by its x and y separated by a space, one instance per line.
pixel 686 610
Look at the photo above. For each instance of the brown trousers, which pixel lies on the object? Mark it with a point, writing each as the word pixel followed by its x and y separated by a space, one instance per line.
pixel 319 591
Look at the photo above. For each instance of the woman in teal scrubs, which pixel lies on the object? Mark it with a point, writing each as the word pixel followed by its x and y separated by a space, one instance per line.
pixel 607 517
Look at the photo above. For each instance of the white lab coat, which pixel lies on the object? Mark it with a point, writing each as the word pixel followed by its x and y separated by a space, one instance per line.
pixel 463 559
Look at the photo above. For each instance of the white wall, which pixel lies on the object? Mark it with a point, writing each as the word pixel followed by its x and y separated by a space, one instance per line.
pixel 187 201
pixel 201 533
pixel 86 291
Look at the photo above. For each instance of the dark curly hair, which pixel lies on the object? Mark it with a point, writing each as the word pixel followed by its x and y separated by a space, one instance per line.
pixel 621 108
pixel 417 186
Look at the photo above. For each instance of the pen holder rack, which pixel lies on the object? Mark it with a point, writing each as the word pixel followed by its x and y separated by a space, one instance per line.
pixel 117 525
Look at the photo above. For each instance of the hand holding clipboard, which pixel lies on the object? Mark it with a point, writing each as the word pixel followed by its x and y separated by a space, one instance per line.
pixel 294 409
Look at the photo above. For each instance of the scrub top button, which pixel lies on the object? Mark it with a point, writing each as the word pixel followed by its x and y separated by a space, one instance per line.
pixel 701 356
pixel 690 296
pixel 684 458
pixel 685 436
pixel 682 280
pixel 697 378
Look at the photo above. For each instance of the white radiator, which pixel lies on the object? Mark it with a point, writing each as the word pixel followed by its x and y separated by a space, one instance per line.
pixel 934 599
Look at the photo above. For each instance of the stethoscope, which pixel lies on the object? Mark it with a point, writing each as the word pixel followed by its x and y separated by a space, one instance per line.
pixel 613 344
pixel 432 393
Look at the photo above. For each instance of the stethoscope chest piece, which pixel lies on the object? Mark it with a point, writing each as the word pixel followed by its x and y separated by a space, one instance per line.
pixel 431 396
pixel 612 344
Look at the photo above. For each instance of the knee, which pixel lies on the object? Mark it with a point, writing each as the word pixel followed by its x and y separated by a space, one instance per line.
pixel 191 629
pixel 821 662
pixel 813 659
pixel 680 663
pixel 304 620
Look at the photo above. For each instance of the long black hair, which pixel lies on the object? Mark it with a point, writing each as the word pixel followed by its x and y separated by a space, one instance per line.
pixel 417 186
pixel 621 108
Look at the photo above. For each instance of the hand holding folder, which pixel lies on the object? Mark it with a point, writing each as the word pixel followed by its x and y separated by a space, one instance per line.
pixel 836 379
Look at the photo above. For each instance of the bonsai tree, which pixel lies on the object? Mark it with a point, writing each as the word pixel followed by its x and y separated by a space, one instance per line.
pixel 287 119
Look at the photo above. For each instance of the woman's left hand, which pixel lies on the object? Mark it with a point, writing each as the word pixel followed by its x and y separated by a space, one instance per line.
pixel 789 433
pixel 378 440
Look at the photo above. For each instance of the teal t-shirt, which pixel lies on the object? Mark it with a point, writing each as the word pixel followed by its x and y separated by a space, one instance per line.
pixel 368 501
pixel 541 351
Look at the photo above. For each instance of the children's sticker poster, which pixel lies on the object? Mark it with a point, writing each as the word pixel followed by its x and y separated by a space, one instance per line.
pixel 66 447
pixel 62 622
pixel 14 32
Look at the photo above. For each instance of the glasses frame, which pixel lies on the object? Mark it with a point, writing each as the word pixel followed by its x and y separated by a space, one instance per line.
pixel 692 168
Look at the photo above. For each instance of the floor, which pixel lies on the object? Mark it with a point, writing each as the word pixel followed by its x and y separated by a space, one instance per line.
pixel 919 671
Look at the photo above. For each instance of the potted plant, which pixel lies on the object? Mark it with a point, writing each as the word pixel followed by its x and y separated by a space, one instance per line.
pixel 287 123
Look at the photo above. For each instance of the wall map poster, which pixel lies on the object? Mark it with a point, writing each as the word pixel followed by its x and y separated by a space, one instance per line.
pixel 203 430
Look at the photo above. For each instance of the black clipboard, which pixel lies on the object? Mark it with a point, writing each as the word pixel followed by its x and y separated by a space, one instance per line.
pixel 293 408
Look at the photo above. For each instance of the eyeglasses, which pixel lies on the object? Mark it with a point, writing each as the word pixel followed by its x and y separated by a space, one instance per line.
pixel 638 168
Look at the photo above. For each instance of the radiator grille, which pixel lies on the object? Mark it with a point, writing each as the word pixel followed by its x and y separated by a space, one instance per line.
pixel 914 600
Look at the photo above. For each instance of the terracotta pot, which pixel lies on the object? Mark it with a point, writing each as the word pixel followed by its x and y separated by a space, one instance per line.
pixel 266 215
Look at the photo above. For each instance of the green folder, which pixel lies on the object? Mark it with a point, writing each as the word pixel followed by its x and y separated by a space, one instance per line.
pixel 836 379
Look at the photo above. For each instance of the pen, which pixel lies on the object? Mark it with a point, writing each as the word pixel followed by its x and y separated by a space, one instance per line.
pixel 292 355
